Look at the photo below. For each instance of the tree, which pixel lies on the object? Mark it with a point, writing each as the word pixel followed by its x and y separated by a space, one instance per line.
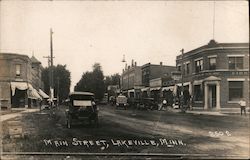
pixel 92 82
pixel 62 76
pixel 112 80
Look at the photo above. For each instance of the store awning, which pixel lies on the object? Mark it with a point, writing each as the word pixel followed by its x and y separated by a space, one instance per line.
pixel 44 95
pixel 171 88
pixel 184 84
pixel 145 89
pixel 33 93
pixel 131 90
pixel 18 85
pixel 155 88
pixel 197 82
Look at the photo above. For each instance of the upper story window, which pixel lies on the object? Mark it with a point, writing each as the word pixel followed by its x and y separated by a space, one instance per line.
pixel 18 69
pixel 235 62
pixel 212 63
pixel 187 68
pixel 198 65
pixel 179 67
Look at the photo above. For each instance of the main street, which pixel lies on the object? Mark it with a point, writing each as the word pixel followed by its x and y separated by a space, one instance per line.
pixel 130 131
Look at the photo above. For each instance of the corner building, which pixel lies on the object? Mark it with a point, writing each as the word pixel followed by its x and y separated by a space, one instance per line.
pixel 216 75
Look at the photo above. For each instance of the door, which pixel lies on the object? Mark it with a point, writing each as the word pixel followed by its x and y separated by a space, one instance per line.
pixel 212 96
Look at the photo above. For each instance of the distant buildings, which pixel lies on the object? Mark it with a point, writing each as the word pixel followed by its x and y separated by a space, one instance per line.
pixel 142 81
pixel 20 81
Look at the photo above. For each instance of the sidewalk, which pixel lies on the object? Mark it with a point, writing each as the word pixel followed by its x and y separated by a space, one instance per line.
pixel 214 113
pixel 13 115
pixel 199 112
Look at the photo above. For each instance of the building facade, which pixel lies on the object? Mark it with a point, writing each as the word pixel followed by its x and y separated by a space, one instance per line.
pixel 216 75
pixel 131 80
pixel 20 80
pixel 152 71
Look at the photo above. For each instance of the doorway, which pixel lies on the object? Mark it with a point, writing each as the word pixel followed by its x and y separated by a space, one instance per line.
pixel 212 96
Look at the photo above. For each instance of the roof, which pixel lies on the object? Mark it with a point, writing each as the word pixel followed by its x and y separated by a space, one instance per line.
pixel 82 93
pixel 213 45
pixel 34 60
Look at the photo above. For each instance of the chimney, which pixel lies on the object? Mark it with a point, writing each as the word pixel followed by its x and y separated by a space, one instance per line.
pixel 161 63
pixel 132 63
pixel 126 66
pixel 135 64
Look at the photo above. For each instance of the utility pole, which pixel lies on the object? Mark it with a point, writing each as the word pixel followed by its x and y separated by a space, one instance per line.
pixel 51 67
pixel 48 57
pixel 57 91
pixel 182 87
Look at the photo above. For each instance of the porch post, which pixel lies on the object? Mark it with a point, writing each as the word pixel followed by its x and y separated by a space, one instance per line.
pixel 206 96
pixel 218 95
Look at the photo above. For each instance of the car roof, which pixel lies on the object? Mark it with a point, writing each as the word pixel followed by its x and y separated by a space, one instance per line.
pixel 82 93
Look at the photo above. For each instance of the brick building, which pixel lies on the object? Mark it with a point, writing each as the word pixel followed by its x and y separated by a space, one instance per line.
pixel 154 77
pixel 20 80
pixel 216 75
pixel 131 80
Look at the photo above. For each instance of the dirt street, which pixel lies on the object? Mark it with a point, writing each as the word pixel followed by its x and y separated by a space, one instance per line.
pixel 129 132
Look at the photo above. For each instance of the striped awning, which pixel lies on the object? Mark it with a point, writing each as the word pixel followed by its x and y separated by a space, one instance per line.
pixel 43 94
pixel 155 88
pixel 33 93
pixel 171 88
pixel 145 89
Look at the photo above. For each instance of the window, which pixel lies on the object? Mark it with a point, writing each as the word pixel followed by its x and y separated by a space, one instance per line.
pixel 198 93
pixel 235 62
pixel 179 68
pixel 212 63
pixel 187 68
pixel 18 69
pixel 235 90
pixel 198 65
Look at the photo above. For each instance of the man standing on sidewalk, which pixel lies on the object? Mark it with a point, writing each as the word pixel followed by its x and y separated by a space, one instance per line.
pixel 242 104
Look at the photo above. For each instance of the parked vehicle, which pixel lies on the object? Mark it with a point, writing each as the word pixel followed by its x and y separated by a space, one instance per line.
pixel 147 104
pixel 81 107
pixel 112 100
pixel 104 100
pixel 121 101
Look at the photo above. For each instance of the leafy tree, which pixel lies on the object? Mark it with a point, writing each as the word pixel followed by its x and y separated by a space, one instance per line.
pixel 112 80
pixel 60 75
pixel 92 82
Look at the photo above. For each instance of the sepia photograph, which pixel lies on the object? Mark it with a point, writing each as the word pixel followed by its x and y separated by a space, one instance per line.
pixel 124 79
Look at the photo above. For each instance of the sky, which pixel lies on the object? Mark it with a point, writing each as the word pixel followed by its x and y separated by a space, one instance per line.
pixel 86 32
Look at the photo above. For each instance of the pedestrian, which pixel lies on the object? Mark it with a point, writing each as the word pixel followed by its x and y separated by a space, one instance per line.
pixel 242 104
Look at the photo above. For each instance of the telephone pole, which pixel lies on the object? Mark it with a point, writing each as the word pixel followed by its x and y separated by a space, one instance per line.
pixel 51 67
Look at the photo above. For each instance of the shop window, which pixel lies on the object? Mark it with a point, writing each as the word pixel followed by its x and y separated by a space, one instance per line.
pixel 212 63
pixel 198 95
pixel 18 69
pixel 198 65
pixel 235 62
pixel 235 90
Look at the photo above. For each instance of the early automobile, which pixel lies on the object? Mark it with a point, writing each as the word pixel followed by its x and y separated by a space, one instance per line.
pixel 148 104
pixel 81 107
pixel 121 101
